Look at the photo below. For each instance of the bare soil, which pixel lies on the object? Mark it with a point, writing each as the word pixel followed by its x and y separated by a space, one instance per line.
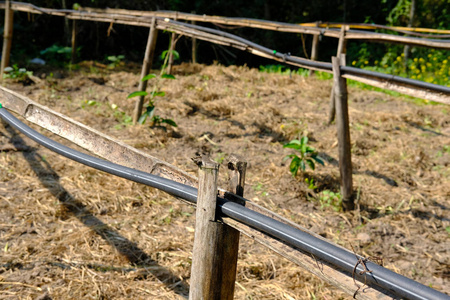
pixel 71 232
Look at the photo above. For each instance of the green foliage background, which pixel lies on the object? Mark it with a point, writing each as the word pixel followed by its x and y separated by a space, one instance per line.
pixel 34 33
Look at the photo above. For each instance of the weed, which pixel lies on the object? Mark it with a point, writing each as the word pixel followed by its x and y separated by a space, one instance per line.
pixel 328 198
pixel 121 116
pixel 261 189
pixel 115 61
pixel 426 65
pixel 308 156
pixel 58 55
pixel 310 183
pixel 87 103
pixel 17 73
pixel 280 69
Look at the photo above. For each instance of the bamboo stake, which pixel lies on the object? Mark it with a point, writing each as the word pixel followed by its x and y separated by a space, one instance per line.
pixel 172 48
pixel 194 47
pixel 7 37
pixel 205 269
pixel 237 167
pixel 343 131
pixel 146 66
pixel 314 49
pixel 342 48
pixel 74 41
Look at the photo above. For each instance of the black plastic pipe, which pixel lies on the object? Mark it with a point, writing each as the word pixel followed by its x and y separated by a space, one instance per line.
pixel 341 258
pixel 318 65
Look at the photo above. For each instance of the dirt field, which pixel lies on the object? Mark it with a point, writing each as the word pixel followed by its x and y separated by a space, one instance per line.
pixel 70 232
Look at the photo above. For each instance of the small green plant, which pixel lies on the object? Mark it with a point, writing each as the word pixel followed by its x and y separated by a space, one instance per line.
pixel 57 55
pixel 115 61
pixel 310 183
pixel 121 116
pixel 280 69
pixel 328 198
pixel 149 112
pixel 305 155
pixel 15 72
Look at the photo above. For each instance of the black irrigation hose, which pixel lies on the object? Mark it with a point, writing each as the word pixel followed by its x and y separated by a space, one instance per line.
pixel 341 258
pixel 319 65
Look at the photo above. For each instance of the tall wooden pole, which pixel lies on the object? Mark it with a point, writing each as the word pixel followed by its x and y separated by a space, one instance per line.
pixel 342 48
pixel 205 270
pixel 146 66
pixel 343 132
pixel 7 37
pixel 237 167
pixel 314 49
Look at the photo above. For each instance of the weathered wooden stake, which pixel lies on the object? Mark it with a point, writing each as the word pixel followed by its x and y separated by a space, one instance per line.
pixel 343 132
pixel 146 66
pixel 237 167
pixel 314 49
pixel 7 37
pixel 205 271
pixel 342 48
pixel 74 42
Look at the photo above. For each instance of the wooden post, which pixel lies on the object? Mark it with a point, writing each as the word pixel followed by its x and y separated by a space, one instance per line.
pixel 314 49
pixel 342 48
pixel 74 42
pixel 146 66
pixel 343 132
pixel 237 167
pixel 7 37
pixel 205 271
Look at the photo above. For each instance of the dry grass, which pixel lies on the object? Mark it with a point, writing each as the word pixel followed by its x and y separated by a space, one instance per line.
pixel 69 232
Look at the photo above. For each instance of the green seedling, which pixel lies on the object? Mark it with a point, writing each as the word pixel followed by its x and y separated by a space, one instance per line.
pixel 149 112
pixel 305 155
pixel 115 60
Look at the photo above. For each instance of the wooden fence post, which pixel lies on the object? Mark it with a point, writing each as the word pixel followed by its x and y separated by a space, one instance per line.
pixel 237 167
pixel 343 132
pixel 146 66
pixel 342 48
pixel 205 271
pixel 314 48
pixel 7 37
